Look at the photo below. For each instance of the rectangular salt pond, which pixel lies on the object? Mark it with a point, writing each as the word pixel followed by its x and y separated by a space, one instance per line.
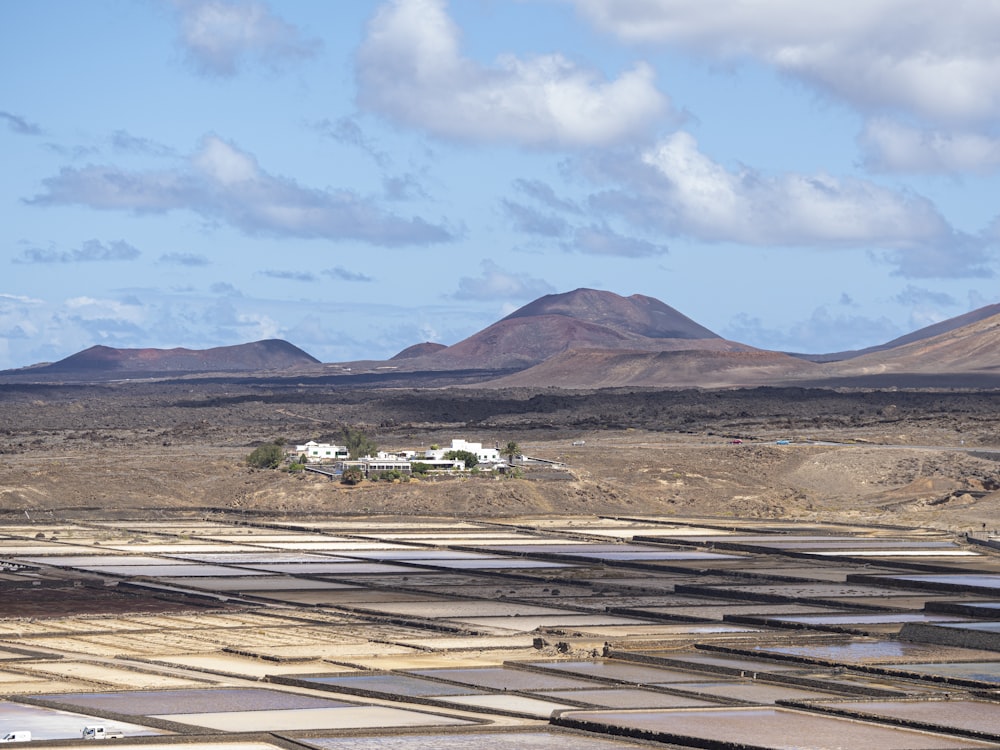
pixel 520 705
pixel 620 671
pixel 52 724
pixel 254 583
pixel 539 739
pixel 665 556
pixel 965 580
pixel 626 698
pixel 859 619
pixel 495 563
pixel 772 728
pixel 524 624
pixel 390 684
pixel 351 717
pixel 505 678
pixel 983 671
pixel 968 715
pixel 175 569
pixel 167 702
pixel 456 609
pixel 858 652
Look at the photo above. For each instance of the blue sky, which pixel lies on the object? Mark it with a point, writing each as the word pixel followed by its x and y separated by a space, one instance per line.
pixel 359 176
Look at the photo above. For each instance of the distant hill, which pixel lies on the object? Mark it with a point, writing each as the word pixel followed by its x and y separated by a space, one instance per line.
pixel 268 355
pixel 584 339
pixel 973 348
pixel 581 319
pixel 418 350
pixel 637 315
pixel 935 329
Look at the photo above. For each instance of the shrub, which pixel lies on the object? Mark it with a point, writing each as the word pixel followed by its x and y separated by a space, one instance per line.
pixel 352 475
pixel 267 456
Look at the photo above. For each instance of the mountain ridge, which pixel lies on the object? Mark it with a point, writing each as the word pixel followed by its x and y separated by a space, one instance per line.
pixel 585 338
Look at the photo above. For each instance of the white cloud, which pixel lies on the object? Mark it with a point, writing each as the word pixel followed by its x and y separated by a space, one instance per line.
pixel 676 188
pixel 696 196
pixel 495 284
pixel 916 56
pixel 220 35
pixel 222 182
pixel 892 146
pixel 410 68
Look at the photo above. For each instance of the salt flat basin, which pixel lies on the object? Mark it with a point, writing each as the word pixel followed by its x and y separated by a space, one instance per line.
pixel 544 739
pixel 771 728
pixel 52 724
pixel 347 717
pixel 535 708
pixel 869 652
pixel 969 715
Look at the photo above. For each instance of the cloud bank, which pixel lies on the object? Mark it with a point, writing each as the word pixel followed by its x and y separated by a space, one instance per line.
pixel 223 183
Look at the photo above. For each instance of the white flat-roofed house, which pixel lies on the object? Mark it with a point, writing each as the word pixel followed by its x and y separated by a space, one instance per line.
pixel 487 456
pixel 371 466
pixel 321 452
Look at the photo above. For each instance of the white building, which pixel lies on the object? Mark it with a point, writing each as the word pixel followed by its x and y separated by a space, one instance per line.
pixel 320 452
pixel 483 455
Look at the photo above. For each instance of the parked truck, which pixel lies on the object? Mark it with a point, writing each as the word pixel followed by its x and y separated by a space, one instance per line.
pixel 16 737
pixel 100 732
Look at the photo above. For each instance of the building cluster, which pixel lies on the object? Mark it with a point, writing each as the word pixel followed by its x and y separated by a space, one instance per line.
pixel 488 459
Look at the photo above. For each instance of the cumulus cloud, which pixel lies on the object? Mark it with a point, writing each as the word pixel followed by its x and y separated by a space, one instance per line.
pixel 410 68
pixel 495 283
pixel 600 240
pixel 223 183
pixel 703 198
pixel 20 125
pixel 219 36
pixel 676 188
pixel 906 55
pixel 891 146
pixel 91 251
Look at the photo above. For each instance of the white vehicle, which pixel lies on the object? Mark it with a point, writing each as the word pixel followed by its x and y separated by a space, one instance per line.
pixel 16 737
pixel 99 732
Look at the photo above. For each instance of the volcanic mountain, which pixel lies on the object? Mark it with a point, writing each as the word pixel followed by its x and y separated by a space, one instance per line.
pixel 106 361
pixel 936 329
pixel 961 352
pixel 970 350
pixel 581 319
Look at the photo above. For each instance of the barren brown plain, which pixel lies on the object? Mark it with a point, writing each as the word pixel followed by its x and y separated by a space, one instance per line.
pixel 910 458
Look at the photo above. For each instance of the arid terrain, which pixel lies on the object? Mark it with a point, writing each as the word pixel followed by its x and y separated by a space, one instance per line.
pixel 919 459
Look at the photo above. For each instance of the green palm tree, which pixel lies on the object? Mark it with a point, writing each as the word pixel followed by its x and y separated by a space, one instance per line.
pixel 510 450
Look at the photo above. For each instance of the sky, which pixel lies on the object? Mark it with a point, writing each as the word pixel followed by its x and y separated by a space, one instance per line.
pixel 362 175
